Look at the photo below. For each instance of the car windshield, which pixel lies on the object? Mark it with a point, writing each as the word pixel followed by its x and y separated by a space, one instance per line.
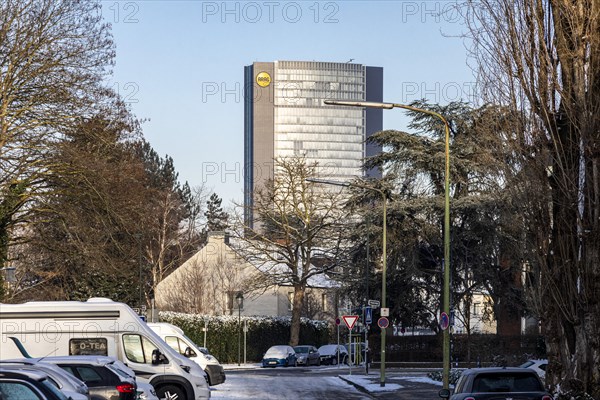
pixel 119 371
pixel 506 382
pixel 277 351
pixel 301 349
pixel 327 349
pixel 526 364
pixel 54 389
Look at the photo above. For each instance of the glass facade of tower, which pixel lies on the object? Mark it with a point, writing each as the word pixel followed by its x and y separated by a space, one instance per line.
pixel 305 126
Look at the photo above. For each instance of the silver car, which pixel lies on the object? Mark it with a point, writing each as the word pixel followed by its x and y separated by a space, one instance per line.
pixel 307 355
pixel 72 387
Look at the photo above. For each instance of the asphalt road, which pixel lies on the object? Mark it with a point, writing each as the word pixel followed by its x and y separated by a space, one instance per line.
pixel 321 383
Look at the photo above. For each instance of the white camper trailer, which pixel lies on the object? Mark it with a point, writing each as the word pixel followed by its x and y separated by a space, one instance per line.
pixel 174 337
pixel 100 326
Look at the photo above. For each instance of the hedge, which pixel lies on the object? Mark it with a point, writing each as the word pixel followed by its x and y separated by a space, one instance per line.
pixel 262 333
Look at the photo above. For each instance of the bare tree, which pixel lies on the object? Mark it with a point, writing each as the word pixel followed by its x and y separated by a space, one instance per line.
pixel 541 58
pixel 296 223
pixel 54 57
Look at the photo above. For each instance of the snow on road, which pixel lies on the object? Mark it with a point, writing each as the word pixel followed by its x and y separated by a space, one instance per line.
pixel 264 387
pixel 371 386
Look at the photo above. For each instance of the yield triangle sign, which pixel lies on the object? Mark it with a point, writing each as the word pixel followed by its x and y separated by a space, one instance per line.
pixel 350 320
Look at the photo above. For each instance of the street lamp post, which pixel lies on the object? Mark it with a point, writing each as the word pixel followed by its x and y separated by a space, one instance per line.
pixel 239 298
pixel 446 288
pixel 384 259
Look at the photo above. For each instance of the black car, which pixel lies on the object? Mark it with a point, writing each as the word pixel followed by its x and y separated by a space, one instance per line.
pixel 102 381
pixel 497 384
pixel 20 385
pixel 332 354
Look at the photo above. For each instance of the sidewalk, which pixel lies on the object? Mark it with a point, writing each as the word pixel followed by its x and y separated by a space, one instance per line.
pixel 399 384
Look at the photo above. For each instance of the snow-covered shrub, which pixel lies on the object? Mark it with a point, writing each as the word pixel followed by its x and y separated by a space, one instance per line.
pixel 262 333
pixel 438 375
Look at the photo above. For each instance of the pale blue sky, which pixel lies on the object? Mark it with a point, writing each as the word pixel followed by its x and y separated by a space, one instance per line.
pixel 180 65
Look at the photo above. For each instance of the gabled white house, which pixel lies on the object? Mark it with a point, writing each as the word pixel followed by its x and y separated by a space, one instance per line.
pixel 209 282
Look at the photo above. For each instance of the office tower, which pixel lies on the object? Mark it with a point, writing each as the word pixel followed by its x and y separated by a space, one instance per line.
pixel 284 115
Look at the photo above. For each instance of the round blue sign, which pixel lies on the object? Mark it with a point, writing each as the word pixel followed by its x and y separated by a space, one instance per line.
pixel 383 322
pixel 444 321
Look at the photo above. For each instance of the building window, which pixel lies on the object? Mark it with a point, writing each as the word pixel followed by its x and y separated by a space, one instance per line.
pixel 291 300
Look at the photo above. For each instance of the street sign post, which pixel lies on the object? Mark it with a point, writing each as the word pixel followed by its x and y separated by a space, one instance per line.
pixel 368 315
pixel 350 320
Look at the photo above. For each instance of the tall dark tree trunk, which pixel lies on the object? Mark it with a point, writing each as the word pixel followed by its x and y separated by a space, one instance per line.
pixel 298 301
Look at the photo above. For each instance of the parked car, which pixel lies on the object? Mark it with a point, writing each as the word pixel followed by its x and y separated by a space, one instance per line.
pixel 174 337
pixel 72 387
pixel 538 366
pixel 103 381
pixel 332 353
pixel 145 391
pixel 497 383
pixel 284 356
pixel 307 355
pixel 21 385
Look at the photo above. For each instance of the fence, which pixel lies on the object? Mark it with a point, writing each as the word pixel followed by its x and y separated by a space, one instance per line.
pixel 468 350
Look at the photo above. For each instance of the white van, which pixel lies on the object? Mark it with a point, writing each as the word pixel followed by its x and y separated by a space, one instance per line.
pixel 100 326
pixel 174 337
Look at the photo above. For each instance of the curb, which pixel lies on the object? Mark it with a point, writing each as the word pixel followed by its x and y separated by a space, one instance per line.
pixel 359 387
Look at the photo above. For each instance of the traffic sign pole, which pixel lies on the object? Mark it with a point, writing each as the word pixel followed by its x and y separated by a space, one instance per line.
pixel 349 359
pixel 338 344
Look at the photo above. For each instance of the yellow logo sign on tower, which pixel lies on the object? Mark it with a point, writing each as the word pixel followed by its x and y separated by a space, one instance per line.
pixel 263 79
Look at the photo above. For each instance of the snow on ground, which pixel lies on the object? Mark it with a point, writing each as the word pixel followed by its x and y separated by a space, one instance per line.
pixel 241 366
pixel 370 385
pixel 422 379
pixel 266 387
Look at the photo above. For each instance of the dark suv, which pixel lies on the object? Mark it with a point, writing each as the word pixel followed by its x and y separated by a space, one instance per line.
pixel 103 382
pixel 497 384
pixel 27 385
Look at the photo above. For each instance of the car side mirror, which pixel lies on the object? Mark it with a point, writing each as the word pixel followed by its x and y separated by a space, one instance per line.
pixel 189 352
pixel 444 393
pixel 158 357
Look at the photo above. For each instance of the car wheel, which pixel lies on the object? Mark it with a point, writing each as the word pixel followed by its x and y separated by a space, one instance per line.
pixel 334 361
pixel 170 392
pixel 318 362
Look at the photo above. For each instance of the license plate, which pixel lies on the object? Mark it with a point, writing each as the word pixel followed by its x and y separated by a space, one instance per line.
pixel 272 362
